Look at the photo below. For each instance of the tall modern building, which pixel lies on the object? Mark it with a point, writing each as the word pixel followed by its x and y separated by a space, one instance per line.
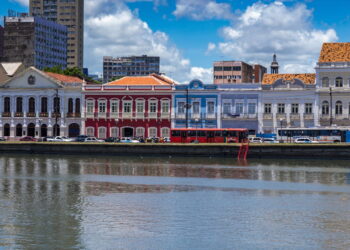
pixel 129 66
pixel 226 72
pixel 35 41
pixel 71 14
pixel 1 41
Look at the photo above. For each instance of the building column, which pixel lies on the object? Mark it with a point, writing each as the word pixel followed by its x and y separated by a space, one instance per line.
pixel 301 113
pixel 260 115
pixel 218 111
pixel 288 111
pixel 274 118
pixel 318 111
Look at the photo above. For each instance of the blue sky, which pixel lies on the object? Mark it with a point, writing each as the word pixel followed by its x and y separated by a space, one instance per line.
pixel 189 35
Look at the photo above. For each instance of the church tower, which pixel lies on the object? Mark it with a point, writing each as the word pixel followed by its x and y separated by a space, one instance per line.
pixel 274 65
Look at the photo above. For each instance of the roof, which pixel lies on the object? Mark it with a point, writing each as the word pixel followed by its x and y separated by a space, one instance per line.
pixel 64 78
pixel 9 70
pixel 335 52
pixel 150 80
pixel 305 78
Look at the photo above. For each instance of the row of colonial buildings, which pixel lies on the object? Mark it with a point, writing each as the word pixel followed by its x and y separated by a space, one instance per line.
pixel 37 103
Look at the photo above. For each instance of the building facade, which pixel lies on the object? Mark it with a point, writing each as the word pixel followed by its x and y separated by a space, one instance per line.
pixel 196 105
pixel 69 13
pixel 230 72
pixel 35 41
pixel 129 107
pixel 288 101
pixel 39 104
pixel 333 84
pixel 117 67
pixel 1 42
pixel 239 106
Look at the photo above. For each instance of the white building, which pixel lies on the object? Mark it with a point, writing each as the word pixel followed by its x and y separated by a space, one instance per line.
pixel 36 103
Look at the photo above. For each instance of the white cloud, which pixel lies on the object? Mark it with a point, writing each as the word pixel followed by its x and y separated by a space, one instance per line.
pixel 23 2
pixel 202 9
pixel 263 29
pixel 117 31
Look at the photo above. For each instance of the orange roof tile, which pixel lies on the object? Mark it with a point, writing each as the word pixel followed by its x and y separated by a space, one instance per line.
pixel 305 78
pixel 142 80
pixel 64 78
pixel 335 52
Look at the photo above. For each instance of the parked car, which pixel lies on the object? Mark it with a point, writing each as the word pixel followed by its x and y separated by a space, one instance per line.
pixel 81 138
pixel 59 139
pixel 92 139
pixel 270 140
pixel 129 140
pixel 304 140
pixel 2 139
pixel 112 139
pixel 28 138
pixel 256 140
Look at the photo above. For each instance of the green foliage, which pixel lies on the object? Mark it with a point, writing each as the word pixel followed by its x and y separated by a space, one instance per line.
pixel 75 71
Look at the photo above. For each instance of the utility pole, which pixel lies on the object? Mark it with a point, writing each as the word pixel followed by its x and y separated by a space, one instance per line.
pixel 55 103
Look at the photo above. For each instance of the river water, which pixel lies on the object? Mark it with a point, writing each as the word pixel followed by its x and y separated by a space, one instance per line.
pixel 77 202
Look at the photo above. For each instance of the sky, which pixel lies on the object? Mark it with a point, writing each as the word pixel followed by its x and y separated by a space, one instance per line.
pixel 189 35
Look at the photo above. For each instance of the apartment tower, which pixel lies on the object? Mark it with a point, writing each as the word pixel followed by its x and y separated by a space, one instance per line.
pixel 71 14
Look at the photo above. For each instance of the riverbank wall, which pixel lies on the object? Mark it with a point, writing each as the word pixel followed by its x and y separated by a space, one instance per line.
pixel 268 151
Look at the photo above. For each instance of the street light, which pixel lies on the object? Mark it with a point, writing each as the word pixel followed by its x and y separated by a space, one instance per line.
pixel 281 124
pixel 331 106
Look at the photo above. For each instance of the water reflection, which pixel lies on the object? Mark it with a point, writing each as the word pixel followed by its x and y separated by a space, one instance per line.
pixel 154 203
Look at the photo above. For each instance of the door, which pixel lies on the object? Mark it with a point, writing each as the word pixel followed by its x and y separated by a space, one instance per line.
pixel 31 130
pixel 73 130
pixel 128 132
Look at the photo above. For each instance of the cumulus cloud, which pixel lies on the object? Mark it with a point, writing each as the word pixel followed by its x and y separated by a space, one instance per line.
pixel 117 31
pixel 23 2
pixel 264 29
pixel 202 9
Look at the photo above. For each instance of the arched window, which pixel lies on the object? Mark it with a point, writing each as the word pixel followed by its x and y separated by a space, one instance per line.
pixel 325 108
pixel 43 130
pixel 152 132
pixel 114 132
pixel 102 132
pixel 31 104
pixel 325 82
pixel 90 131
pixel 56 105
pixel 44 105
pixel 70 105
pixel 19 130
pixel 339 82
pixel 56 130
pixel 19 105
pixel 165 132
pixel 338 108
pixel 77 106
pixel 7 105
pixel 140 132
pixel 7 129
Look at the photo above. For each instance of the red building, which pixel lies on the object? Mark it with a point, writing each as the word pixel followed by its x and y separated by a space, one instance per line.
pixel 128 107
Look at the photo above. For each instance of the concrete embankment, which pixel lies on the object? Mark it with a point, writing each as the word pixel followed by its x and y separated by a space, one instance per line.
pixel 310 151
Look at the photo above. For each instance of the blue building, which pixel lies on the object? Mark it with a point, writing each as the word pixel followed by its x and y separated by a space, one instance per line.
pixel 195 105
pixel 239 106
pixel 42 43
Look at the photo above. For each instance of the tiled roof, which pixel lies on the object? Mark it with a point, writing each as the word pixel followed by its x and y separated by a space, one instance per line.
pixel 150 80
pixel 335 52
pixel 64 78
pixel 305 78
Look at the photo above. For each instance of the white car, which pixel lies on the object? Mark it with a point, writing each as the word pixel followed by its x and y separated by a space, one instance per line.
pixel 270 140
pixel 255 140
pixel 59 139
pixel 304 140
pixel 92 139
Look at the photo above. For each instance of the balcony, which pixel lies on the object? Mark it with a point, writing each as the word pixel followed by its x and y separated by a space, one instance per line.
pixel 281 116
pixel 210 116
pixel 165 115
pixel 6 114
pixel 152 115
pixel 308 116
pixel 19 114
pixel 102 115
pixel 295 116
pixel 127 115
pixel 73 115
pixel 267 116
pixel 31 114
pixel 195 116
pixel 140 115
pixel 56 115
pixel 113 115
pixel 44 114
pixel 180 116
pixel 90 115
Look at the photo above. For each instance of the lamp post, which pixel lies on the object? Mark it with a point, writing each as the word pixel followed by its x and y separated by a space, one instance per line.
pixel 330 107
pixel 40 120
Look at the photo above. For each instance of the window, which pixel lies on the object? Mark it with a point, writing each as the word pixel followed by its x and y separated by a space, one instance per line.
pixel 140 132
pixel 56 105
pixel 338 108
pixel 165 107
pixel 195 108
pixel 44 104
pixel 325 82
pixel 70 105
pixel 102 107
pixel 140 107
pixel 7 105
pixel 308 108
pixel 181 107
pixel 239 108
pixel 6 130
pixel 295 108
pixel 210 107
pixel 19 130
pixel 281 108
pixel 90 131
pixel 102 132
pixel 165 132
pixel 90 106
pixel 251 108
pixel 152 132
pixel 227 108
pixel 325 108
pixel 77 106
pixel 114 132
pixel 339 82
pixel 127 107
pixel 267 108
pixel 19 106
